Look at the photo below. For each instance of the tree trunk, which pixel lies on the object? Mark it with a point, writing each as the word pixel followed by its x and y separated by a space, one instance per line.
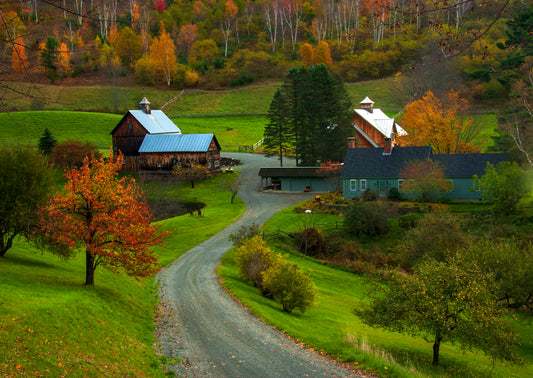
pixel 192 184
pixel 436 348
pixel 89 269
pixel 4 246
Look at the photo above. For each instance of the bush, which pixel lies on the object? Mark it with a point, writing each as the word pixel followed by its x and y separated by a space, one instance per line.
pixel 369 195
pixel 290 286
pixel 71 153
pixel 309 242
pixel 245 232
pixel 394 194
pixel 369 219
pixel 253 258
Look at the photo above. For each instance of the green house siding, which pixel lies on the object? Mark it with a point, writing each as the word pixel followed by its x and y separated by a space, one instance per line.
pixel 351 188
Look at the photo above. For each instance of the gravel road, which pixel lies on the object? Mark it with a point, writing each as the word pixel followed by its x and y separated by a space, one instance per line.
pixel 203 332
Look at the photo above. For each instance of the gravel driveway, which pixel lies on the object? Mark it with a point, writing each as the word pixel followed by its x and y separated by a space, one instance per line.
pixel 203 332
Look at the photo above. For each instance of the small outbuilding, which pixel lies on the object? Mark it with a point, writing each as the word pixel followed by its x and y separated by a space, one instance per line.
pixel 315 179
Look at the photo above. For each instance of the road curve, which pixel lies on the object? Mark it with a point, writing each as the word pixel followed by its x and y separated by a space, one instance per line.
pixel 203 332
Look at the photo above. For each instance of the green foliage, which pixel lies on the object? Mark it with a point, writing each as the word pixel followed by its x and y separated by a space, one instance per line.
pixel 425 178
pixel 502 186
pixel 71 153
pixel 510 264
pixel 369 195
pixel 253 258
pixel 394 194
pixel 367 219
pixel 290 286
pixel 437 236
pixel 446 301
pixel 47 143
pixel 49 57
pixel 244 233
pixel 25 182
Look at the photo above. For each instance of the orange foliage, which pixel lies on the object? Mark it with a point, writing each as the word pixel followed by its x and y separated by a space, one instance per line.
pixel 306 51
pixel 163 55
pixel 19 60
pixel 187 36
pixel 104 215
pixel 430 121
pixel 322 54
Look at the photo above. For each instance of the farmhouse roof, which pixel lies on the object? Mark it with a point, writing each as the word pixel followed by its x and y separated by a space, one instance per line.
pixel 381 122
pixel 177 143
pixel 467 165
pixel 294 172
pixel 371 162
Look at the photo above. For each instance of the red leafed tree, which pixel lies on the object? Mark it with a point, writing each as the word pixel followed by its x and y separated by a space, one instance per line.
pixel 19 61
pixel 105 216
pixel 159 5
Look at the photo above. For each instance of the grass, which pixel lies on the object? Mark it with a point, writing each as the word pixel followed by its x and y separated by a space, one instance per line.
pixel 332 328
pixel 52 325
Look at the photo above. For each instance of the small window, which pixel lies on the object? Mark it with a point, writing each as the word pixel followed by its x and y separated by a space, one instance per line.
pixel 400 184
pixel 363 185
pixel 217 163
pixel 130 125
pixel 353 185
pixel 209 164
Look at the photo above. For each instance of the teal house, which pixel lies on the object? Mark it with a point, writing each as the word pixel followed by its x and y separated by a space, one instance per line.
pixel 378 169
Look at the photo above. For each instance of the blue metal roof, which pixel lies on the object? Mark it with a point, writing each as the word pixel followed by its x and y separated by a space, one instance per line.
pixel 156 122
pixel 176 143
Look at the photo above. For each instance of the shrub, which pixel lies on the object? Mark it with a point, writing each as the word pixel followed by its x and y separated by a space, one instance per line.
pixel 290 286
pixel 309 242
pixel 72 152
pixel 394 194
pixel 253 258
pixel 369 195
pixel 245 232
pixel 369 219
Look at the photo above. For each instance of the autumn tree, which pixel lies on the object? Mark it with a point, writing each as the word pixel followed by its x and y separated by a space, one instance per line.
pixel 19 60
pixel 64 66
pixel 163 55
pixel 25 182
pixel 72 153
pixel 425 178
pixel 203 51
pixel 128 46
pixel 192 173
pixel 232 183
pixel 105 216
pixel 322 54
pixel 109 63
pixel 226 25
pixel 444 302
pixel 438 123
pixel 187 36
pixel 306 52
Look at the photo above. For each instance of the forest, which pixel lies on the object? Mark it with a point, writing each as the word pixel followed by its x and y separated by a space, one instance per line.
pixel 216 43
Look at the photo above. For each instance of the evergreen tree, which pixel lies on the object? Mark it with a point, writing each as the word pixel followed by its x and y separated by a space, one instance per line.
pixel 49 55
pixel 47 143
pixel 277 132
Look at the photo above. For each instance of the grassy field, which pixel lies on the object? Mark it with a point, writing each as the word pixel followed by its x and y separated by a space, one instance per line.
pixel 52 325
pixel 331 326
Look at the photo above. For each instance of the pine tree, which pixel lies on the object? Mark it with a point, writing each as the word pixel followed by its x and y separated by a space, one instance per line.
pixel 47 143
pixel 278 134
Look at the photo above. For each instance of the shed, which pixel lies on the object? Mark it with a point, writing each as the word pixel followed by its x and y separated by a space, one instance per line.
pixel 316 179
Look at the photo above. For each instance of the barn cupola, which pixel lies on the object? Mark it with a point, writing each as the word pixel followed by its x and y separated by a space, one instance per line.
pixel 145 105
pixel 367 104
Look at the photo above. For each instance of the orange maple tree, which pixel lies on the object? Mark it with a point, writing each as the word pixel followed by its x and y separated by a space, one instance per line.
pixel 322 54
pixel 105 216
pixel 437 122
pixel 19 60
pixel 306 51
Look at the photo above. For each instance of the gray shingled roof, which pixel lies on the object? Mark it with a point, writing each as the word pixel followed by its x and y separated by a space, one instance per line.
pixel 371 162
pixel 176 142
pixel 467 165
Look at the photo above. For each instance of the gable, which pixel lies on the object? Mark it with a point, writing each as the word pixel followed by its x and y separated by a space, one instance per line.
pixel 156 122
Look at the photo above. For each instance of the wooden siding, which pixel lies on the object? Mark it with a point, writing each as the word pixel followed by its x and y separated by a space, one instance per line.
pixel 166 160
pixel 374 134
pixel 128 139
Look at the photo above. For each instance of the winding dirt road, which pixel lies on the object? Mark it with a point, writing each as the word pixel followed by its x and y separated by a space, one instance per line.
pixel 204 332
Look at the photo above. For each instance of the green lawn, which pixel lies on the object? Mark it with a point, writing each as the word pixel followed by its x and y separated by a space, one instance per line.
pixel 52 325
pixel 331 326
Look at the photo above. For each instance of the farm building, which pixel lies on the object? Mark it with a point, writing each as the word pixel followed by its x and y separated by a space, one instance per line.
pixel 373 128
pixel 316 179
pixel 149 140
pixel 374 169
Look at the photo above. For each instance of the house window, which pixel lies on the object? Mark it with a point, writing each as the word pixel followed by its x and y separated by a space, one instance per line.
pixel 363 185
pixel 452 186
pixel 353 185
pixel 400 184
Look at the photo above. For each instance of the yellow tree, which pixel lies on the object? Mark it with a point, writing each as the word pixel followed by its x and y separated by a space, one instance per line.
pixel 438 123
pixel 163 55
pixel 226 24
pixel 19 61
pixel 63 60
pixel 306 51
pixel 322 54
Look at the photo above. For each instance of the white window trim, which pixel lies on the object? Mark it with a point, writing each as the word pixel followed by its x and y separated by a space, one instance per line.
pixel 400 183
pixel 363 185
pixel 353 185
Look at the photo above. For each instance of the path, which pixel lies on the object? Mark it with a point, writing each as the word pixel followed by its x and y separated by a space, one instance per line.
pixel 209 331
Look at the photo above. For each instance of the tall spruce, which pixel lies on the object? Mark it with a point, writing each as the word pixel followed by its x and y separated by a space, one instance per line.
pixel 47 143
pixel 317 109
pixel 278 135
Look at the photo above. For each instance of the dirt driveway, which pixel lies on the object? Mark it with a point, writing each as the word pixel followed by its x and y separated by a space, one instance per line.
pixel 205 333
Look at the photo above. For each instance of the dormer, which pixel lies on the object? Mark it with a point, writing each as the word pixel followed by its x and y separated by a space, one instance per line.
pixel 145 105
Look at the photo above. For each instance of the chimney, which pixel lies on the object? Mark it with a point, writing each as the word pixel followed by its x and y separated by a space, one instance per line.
pixel 145 105
pixel 387 146
pixel 367 104
pixel 351 142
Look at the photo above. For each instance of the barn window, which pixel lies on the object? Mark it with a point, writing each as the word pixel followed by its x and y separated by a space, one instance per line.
pixel 130 125
pixel 217 163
